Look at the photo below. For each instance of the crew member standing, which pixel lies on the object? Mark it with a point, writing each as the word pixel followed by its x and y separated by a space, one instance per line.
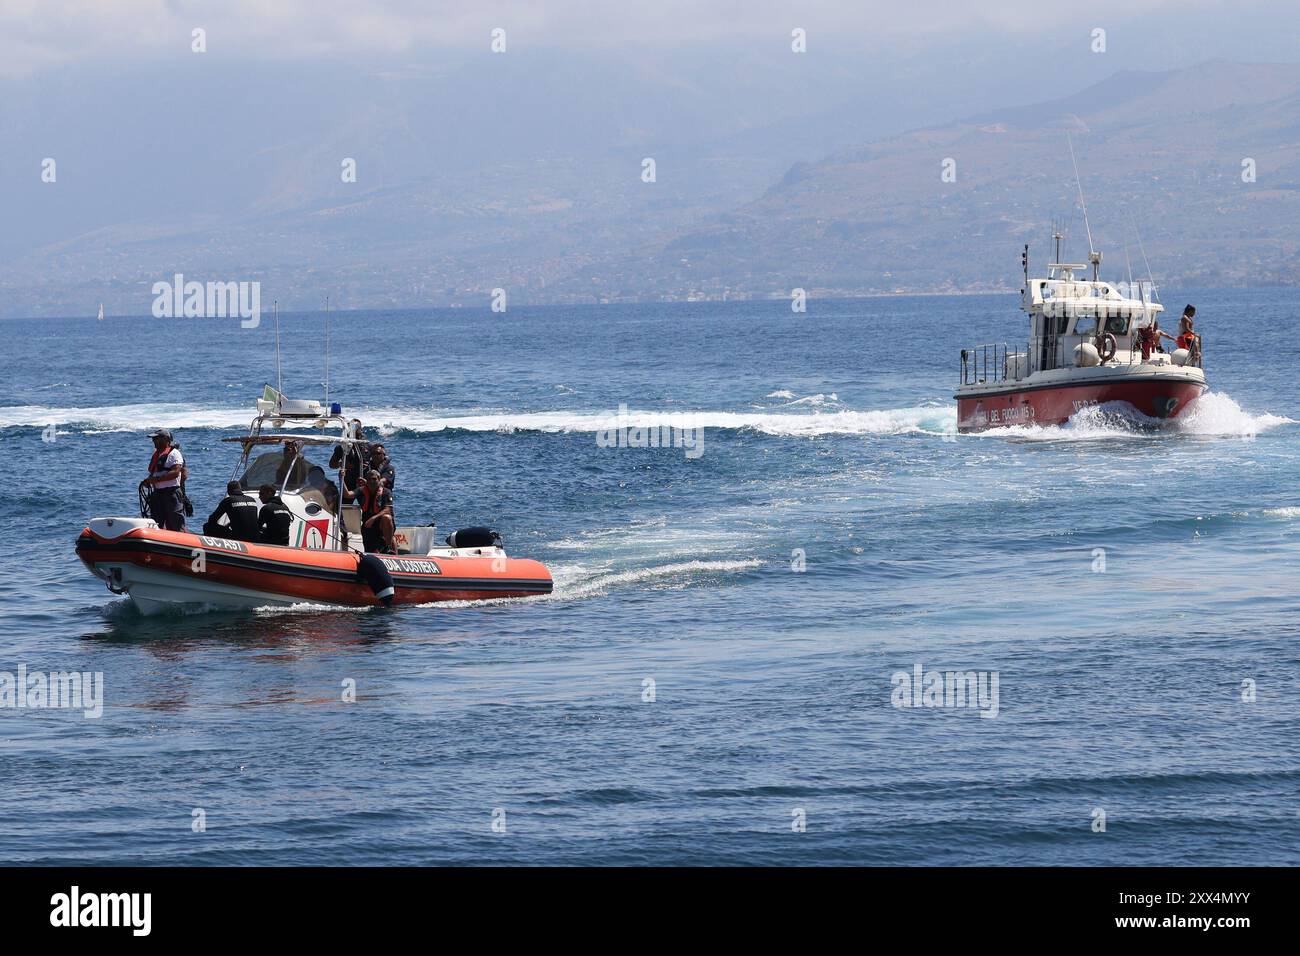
pixel 1187 337
pixel 353 459
pixel 166 506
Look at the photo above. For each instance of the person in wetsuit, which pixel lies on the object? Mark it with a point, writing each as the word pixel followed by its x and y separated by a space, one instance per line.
pixel 354 459
pixel 274 519
pixel 377 528
pixel 240 510
pixel 380 462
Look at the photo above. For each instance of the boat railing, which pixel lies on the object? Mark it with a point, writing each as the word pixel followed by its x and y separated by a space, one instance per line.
pixel 997 362
pixel 984 363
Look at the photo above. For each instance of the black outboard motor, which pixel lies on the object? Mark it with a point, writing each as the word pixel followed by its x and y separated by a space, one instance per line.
pixel 371 570
pixel 474 538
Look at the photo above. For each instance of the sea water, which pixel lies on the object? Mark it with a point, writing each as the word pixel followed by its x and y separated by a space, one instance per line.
pixel 719 674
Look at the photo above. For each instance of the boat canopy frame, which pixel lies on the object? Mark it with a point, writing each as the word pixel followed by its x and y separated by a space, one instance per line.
pixel 318 422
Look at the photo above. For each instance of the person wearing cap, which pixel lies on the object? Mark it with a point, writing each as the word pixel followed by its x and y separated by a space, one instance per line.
pixel 1187 337
pixel 166 467
pixel 377 529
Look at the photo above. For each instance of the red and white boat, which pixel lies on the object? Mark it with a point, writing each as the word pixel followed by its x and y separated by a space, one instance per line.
pixel 326 564
pixel 1085 348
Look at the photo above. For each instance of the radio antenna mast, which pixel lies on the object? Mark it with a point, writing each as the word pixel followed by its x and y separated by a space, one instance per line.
pixel 1079 183
pixel 279 379
pixel 327 352
pixel 1094 256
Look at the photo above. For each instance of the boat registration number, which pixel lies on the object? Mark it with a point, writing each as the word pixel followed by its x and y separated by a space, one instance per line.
pixel 223 544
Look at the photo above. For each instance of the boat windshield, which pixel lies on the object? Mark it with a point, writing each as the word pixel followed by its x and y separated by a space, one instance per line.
pixel 292 471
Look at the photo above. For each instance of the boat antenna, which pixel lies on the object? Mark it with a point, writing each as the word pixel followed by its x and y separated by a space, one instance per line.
pixel 1151 279
pixel 327 353
pixel 279 378
pixel 1093 256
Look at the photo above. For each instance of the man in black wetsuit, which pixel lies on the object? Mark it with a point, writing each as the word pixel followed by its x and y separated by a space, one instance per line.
pixel 274 519
pixel 354 460
pixel 240 510
pixel 377 528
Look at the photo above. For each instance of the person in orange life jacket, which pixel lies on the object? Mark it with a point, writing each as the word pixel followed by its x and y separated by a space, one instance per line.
pixel 377 529
pixel 166 470
pixel 1187 338
pixel 240 512
pixel 274 519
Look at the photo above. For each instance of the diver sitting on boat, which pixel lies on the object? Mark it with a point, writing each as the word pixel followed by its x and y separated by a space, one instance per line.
pixel 274 519
pixel 240 512
pixel 377 525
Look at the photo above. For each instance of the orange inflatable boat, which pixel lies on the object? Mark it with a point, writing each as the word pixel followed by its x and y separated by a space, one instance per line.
pixel 158 569
pixel 325 562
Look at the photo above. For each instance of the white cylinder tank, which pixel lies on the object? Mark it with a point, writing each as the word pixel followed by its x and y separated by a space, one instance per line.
pixel 1085 355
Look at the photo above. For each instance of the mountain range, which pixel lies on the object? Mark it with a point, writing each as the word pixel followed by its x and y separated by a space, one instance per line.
pixel 741 205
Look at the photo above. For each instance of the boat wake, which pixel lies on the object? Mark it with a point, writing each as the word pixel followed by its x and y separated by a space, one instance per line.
pixel 1213 414
pixel 575 582
pixel 807 421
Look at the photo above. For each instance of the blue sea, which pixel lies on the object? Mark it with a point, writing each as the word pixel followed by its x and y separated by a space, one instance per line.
pixel 722 673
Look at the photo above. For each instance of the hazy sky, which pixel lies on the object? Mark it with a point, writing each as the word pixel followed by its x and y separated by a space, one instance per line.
pixel 37 34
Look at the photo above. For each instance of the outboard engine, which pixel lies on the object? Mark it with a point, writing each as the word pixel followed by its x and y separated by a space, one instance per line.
pixel 371 570
pixel 474 538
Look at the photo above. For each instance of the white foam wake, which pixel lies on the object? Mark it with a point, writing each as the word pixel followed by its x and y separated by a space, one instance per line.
pixel 1213 414
pixel 1217 414
pixel 576 583
pixel 937 419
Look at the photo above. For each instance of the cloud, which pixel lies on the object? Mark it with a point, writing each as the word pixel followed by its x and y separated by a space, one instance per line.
pixel 37 34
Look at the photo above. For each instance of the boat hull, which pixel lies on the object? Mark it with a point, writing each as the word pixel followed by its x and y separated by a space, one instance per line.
pixel 1155 397
pixel 161 569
